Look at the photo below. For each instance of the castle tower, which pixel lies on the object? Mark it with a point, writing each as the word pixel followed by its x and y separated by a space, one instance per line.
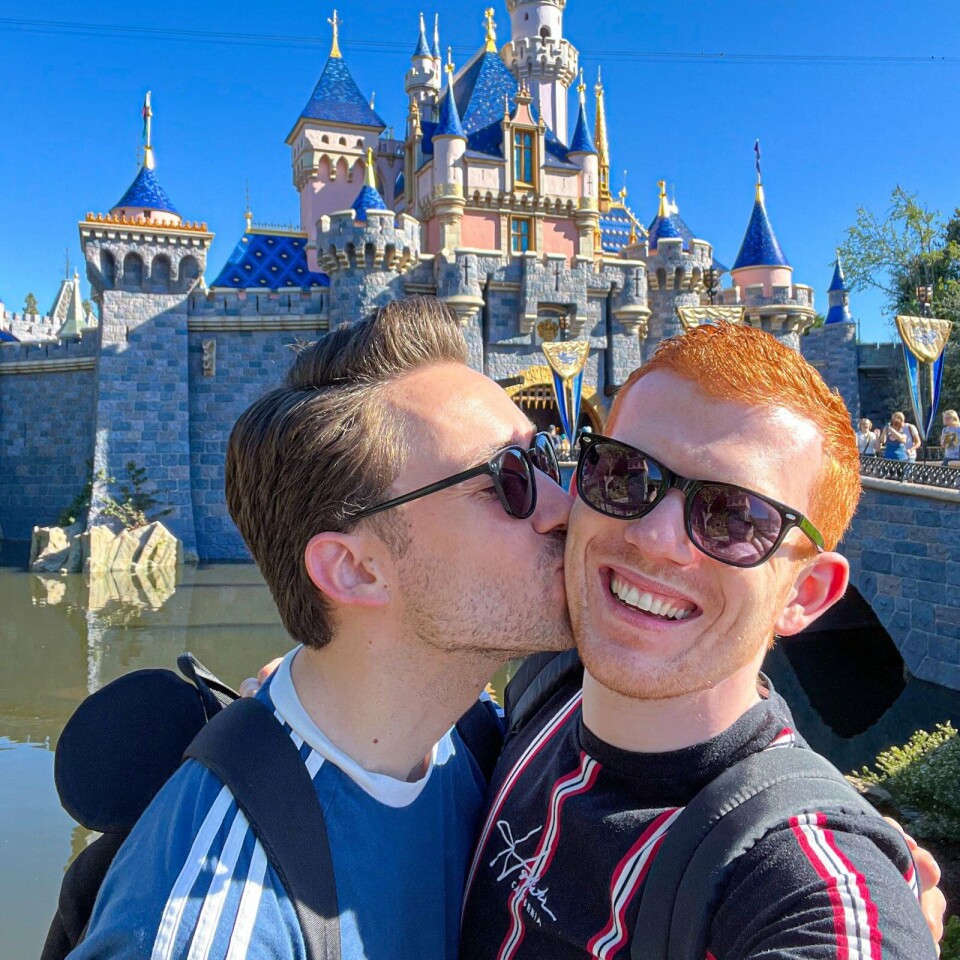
pixel 143 261
pixel 676 260
pixel 68 308
pixel 329 141
pixel 538 55
pixel 583 153
pixel 449 146
pixel 422 82
pixel 839 297
pixel 763 279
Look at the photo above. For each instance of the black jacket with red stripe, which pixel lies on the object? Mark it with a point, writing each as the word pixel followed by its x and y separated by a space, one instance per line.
pixel 575 823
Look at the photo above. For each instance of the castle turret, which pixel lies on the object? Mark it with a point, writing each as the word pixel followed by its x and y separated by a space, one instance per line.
pixel 422 82
pixel 839 297
pixel 143 261
pixel 449 146
pixel 538 55
pixel 604 197
pixel 329 142
pixel 763 278
pixel 583 153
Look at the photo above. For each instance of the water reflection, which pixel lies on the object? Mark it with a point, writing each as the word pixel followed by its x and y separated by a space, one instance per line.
pixel 64 636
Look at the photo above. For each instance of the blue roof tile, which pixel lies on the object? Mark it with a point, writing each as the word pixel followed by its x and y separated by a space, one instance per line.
pixel 337 98
pixel 582 138
pixel 269 261
pixel 368 199
pixel 145 192
pixel 449 124
pixel 760 247
pixel 615 228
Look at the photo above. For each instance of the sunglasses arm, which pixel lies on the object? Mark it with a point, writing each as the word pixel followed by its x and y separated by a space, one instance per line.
pixel 423 491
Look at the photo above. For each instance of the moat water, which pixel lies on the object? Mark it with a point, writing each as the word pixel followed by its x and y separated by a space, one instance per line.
pixel 64 636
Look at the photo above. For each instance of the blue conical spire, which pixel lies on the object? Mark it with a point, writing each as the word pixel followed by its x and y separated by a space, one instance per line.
pixel 423 48
pixel 760 247
pixel 449 124
pixel 436 36
pixel 838 282
pixel 369 197
pixel 582 140
pixel 838 297
pixel 146 193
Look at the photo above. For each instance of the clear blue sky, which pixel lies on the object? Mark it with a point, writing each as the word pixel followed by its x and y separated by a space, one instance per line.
pixel 834 133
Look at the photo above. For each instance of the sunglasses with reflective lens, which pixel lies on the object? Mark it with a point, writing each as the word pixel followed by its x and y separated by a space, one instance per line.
pixel 726 522
pixel 512 471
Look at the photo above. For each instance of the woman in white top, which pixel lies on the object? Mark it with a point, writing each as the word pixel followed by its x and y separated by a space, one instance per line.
pixel 950 436
pixel 866 438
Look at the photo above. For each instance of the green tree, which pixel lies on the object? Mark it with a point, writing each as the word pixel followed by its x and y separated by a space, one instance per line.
pixel 906 247
pixel 30 306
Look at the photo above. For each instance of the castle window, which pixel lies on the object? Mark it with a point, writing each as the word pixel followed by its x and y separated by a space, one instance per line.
pixel 521 234
pixel 523 157
pixel 132 272
pixel 544 33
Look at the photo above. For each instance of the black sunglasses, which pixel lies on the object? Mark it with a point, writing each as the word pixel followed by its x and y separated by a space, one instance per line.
pixel 726 522
pixel 512 470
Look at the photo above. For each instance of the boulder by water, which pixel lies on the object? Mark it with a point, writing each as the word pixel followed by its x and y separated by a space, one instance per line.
pixel 144 548
pixel 56 549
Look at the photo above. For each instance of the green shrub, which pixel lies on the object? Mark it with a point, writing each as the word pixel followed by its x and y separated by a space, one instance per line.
pixel 923 777
pixel 950 944
pixel 135 507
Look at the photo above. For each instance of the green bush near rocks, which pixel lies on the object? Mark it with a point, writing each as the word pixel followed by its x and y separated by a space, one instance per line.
pixel 923 780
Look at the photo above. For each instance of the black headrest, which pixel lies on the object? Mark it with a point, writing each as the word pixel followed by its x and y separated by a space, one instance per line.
pixel 122 744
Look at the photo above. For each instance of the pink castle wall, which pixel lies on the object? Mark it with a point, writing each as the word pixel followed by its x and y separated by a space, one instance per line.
pixel 559 236
pixel 481 231
pixel 769 276
pixel 323 195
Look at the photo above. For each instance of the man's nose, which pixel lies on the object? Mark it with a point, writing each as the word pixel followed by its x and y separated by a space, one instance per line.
pixel 553 506
pixel 662 532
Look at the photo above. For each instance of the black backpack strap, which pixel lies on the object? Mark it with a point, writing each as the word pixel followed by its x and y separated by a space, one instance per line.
pixel 535 682
pixel 732 813
pixel 482 732
pixel 214 693
pixel 249 751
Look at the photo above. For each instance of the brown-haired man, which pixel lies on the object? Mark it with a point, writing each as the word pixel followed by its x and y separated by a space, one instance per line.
pixel 699 534
pixel 403 615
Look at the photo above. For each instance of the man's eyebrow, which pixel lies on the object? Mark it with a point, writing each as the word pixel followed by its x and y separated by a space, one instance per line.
pixel 515 441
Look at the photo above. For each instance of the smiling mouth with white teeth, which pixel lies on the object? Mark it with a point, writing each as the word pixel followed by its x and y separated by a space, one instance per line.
pixel 662 607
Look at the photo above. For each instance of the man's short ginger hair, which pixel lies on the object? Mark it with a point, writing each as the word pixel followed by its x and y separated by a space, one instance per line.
pixel 740 364
pixel 304 458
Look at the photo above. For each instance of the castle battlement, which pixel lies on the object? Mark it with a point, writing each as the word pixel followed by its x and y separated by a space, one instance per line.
pixel 293 303
pixel 29 326
pixel 49 356
pixel 383 241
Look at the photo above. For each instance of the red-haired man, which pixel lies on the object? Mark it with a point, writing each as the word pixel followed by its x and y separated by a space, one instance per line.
pixel 706 524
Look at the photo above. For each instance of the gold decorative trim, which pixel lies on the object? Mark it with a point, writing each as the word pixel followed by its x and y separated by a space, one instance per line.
pixel 692 317
pixel 119 220
pixel 54 365
pixel 258 324
pixel 925 337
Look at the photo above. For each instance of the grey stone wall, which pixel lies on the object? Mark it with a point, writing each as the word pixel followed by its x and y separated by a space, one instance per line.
pixel 46 431
pixel 248 364
pixel 904 553
pixel 832 349
pixel 882 381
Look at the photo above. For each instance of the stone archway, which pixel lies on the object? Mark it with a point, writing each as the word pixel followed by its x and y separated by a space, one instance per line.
pixel 534 395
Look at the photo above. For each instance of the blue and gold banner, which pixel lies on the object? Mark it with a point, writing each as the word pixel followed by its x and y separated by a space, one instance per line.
pixel 924 339
pixel 567 359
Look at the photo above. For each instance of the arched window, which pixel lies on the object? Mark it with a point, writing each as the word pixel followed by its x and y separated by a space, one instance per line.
pixel 132 272
pixel 108 269
pixel 160 273
pixel 544 33
pixel 189 273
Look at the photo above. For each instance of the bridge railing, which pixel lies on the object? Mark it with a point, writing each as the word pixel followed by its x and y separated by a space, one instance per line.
pixel 924 474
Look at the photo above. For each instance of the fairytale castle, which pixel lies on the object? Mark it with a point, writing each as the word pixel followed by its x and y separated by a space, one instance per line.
pixel 496 199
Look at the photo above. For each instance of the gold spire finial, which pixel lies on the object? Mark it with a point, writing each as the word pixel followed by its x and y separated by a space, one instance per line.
pixel 369 179
pixel 623 190
pixel 663 212
pixel 603 148
pixel 449 67
pixel 336 23
pixel 247 213
pixel 148 160
pixel 582 88
pixel 373 100
pixel 491 30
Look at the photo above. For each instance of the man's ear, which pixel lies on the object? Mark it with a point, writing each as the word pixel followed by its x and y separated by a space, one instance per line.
pixel 350 569
pixel 819 585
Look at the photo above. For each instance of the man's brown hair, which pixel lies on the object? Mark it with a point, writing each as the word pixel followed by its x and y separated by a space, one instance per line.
pixel 307 456
pixel 739 364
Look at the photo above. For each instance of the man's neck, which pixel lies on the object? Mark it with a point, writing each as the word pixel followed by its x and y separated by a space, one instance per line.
pixel 659 726
pixel 386 705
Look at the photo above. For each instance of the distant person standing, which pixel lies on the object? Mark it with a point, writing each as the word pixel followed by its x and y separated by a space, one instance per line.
pixel 897 438
pixel 867 439
pixel 950 437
